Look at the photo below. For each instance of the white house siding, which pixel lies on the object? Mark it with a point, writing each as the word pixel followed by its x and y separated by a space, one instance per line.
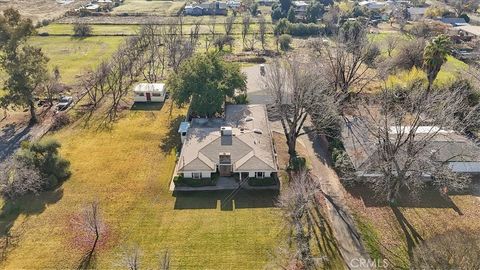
pixel 139 98
pixel 204 174
pixel 267 173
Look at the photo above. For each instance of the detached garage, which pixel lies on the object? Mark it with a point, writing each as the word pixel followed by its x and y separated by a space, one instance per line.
pixel 149 92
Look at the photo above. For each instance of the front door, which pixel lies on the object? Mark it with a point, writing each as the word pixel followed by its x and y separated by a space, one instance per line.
pixel 149 98
pixel 225 169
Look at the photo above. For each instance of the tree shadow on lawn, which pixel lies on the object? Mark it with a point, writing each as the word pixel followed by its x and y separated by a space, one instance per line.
pixel 429 197
pixel 171 140
pixel 27 205
pixel 11 139
pixel 228 200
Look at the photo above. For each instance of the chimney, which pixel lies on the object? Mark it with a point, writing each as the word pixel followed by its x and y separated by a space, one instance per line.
pixel 226 131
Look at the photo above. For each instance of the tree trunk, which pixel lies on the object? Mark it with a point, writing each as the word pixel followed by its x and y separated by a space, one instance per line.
pixel 292 147
pixel 33 116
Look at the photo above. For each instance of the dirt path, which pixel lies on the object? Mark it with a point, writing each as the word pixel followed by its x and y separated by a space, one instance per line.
pixel 12 134
pixel 343 225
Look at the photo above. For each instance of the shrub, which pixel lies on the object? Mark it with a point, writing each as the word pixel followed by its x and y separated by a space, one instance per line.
pixel 82 30
pixel 297 164
pixel 267 181
pixel 465 17
pixel 298 29
pixel 284 42
pixel 179 180
pixel 44 156
pixel 60 120
pixel 241 99
pixel 18 179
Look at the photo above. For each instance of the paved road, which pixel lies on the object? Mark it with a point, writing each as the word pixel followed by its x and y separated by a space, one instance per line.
pixel 255 86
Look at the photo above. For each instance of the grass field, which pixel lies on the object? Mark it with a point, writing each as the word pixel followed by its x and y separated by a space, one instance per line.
pixel 100 29
pixel 144 7
pixel 74 56
pixel 128 169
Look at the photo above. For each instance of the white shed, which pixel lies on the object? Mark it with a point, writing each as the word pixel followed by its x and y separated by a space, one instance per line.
pixel 149 92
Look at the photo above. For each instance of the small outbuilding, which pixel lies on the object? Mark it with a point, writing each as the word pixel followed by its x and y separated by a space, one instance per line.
pixel 149 92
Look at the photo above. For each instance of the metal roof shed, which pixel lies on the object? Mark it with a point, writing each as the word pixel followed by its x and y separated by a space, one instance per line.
pixel 149 92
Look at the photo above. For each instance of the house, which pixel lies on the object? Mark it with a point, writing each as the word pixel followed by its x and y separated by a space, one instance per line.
pixel 234 4
pixel 206 8
pixel 454 21
pixel 267 2
pixel 373 5
pixel 239 144
pixel 461 154
pixel 470 30
pixel 300 8
pixel 149 92
pixel 416 13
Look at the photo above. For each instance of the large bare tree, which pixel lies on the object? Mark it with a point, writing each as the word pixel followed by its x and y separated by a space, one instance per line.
pixel 298 91
pixel 347 61
pixel 402 135
pixel 300 202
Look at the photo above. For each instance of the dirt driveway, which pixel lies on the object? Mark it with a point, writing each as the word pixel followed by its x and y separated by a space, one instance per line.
pixel 255 86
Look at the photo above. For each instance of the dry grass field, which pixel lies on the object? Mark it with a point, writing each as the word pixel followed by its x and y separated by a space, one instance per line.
pixel 155 7
pixel 38 10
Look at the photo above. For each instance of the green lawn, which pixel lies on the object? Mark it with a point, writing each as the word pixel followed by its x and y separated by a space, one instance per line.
pixel 74 56
pixel 128 169
pixel 100 29
pixel 156 7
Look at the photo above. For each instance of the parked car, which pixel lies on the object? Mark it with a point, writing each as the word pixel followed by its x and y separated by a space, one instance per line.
pixel 64 103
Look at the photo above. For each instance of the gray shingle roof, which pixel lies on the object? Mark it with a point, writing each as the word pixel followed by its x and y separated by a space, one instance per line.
pixel 250 149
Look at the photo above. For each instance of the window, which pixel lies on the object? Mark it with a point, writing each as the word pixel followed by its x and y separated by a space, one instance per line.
pixel 196 175
pixel 140 94
pixel 156 94
pixel 259 174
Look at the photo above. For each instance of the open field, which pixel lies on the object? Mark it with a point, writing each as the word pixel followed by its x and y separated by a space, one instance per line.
pixel 132 29
pixel 155 7
pixel 387 231
pixel 74 56
pixel 38 10
pixel 128 170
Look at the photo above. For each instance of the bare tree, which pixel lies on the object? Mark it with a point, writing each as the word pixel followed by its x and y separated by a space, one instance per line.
pixel 402 134
pixel 18 179
pixel 228 26
pixel 90 233
pixel 52 86
pixel 95 83
pixel 347 61
pixel 130 258
pixel 262 31
pixel 297 201
pixel 164 263
pixel 391 43
pixel 298 91
pixel 245 28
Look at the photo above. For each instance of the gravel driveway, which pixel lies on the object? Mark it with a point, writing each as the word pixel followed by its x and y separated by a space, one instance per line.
pixel 255 85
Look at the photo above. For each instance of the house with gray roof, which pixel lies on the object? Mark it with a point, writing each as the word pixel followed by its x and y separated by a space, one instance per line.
pixel 240 143
pixel 446 146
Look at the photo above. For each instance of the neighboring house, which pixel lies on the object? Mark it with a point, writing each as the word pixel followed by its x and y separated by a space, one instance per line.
pixel 416 13
pixel 149 92
pixel 235 5
pixel 207 8
pixel 267 2
pixel 300 8
pixel 373 5
pixel 240 144
pixel 454 21
pixel 462 155
pixel 470 30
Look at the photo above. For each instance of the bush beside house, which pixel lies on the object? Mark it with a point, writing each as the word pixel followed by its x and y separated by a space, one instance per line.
pixel 181 181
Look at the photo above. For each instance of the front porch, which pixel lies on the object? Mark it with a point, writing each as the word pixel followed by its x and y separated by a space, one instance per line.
pixel 227 183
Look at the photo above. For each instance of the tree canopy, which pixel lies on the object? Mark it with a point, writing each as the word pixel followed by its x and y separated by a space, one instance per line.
pixel 26 66
pixel 205 80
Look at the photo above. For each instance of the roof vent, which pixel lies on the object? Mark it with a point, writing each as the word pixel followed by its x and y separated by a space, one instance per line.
pixel 248 119
pixel 258 131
